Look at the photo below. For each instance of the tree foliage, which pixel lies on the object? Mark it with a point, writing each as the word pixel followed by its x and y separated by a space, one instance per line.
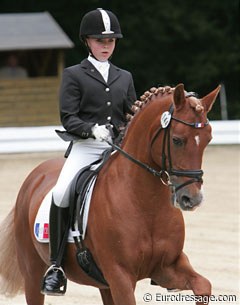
pixel 165 42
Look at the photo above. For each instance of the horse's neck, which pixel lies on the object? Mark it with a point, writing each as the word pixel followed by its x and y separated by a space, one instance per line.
pixel 138 145
pixel 146 122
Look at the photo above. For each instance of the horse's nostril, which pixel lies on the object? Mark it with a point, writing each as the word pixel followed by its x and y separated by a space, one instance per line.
pixel 187 201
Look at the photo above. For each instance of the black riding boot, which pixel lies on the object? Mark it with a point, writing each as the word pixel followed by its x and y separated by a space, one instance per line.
pixel 55 281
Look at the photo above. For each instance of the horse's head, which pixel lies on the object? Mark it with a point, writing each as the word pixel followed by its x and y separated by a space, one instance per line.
pixel 180 140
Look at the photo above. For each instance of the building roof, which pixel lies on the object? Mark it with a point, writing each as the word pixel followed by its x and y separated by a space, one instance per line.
pixel 22 31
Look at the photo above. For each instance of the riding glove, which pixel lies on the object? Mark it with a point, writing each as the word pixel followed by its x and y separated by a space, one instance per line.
pixel 100 132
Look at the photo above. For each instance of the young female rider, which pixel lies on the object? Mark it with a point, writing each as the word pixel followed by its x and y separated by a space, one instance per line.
pixel 93 94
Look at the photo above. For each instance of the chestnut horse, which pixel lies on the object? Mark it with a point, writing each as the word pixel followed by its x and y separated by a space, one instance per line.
pixel 135 226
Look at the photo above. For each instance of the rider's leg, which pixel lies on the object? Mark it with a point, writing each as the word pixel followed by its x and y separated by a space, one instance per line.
pixel 54 282
pixel 82 154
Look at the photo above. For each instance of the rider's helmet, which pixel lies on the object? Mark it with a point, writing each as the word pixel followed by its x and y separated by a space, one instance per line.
pixel 100 23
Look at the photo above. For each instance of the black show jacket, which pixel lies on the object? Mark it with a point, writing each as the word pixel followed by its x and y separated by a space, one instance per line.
pixel 86 99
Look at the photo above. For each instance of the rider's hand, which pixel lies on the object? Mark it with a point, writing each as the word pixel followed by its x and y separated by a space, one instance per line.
pixel 100 132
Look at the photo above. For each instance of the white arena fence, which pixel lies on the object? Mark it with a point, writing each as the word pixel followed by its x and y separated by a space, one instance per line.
pixel 44 139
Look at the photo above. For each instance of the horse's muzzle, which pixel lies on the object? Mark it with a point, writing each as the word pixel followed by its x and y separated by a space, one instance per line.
pixel 187 201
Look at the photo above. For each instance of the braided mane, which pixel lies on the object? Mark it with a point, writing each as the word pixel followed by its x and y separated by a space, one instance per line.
pixel 195 103
pixel 139 104
pixel 146 97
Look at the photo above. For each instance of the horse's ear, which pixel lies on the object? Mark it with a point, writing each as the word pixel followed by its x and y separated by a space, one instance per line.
pixel 179 96
pixel 208 100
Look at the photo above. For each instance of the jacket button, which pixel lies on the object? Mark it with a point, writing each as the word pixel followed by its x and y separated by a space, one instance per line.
pixel 107 89
pixel 85 134
pixel 109 103
pixel 109 118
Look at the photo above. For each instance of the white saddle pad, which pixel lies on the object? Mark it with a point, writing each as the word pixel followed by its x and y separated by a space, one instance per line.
pixel 41 224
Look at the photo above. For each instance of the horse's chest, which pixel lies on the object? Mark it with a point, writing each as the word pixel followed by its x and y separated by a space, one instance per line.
pixel 167 250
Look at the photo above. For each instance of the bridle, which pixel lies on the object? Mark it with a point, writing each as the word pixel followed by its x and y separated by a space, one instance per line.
pixel 166 172
pixel 194 175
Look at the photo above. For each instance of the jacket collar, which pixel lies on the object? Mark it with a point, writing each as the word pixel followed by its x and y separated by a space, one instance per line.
pixel 88 67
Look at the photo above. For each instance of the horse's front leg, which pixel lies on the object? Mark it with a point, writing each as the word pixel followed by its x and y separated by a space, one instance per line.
pixel 121 287
pixel 181 275
pixel 106 296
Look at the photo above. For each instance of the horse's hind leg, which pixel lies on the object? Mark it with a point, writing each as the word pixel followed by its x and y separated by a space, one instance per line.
pixel 106 297
pixel 32 269
pixel 182 276
pixel 32 282
pixel 31 266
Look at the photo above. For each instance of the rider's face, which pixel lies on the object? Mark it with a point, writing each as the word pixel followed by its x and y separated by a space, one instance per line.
pixel 102 48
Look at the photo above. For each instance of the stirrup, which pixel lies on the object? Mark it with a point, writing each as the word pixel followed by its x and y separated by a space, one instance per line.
pixel 62 282
pixel 55 268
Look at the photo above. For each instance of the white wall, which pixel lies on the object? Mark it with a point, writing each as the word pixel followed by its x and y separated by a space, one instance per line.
pixel 225 132
pixel 42 139
pixel 30 139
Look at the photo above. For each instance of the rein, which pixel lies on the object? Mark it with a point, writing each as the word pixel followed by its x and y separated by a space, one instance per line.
pixel 136 161
pixel 165 173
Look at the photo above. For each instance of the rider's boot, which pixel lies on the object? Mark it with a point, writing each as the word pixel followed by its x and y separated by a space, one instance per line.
pixel 55 281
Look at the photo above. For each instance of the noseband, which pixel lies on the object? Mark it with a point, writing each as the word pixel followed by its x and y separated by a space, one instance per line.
pixel 166 172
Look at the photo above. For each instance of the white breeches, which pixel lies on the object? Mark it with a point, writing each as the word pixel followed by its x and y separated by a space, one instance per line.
pixel 82 154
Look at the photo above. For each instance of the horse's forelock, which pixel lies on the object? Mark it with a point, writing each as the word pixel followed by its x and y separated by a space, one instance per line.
pixel 196 105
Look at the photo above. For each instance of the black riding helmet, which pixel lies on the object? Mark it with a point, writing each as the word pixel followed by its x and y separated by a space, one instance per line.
pixel 100 23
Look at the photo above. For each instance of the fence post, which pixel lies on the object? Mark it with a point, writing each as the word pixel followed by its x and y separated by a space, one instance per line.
pixel 223 103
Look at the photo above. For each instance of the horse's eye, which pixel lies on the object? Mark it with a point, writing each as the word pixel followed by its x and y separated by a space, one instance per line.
pixel 178 141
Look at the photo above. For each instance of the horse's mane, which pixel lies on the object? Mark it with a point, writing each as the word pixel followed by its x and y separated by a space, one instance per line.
pixel 163 91
pixel 194 103
pixel 144 100
pixel 147 96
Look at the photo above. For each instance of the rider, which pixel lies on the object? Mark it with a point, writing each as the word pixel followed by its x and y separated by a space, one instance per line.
pixel 93 94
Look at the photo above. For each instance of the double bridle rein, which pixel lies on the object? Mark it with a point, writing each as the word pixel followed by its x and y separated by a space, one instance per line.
pixel 166 172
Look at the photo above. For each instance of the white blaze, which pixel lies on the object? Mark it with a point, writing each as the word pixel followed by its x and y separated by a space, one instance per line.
pixel 197 139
